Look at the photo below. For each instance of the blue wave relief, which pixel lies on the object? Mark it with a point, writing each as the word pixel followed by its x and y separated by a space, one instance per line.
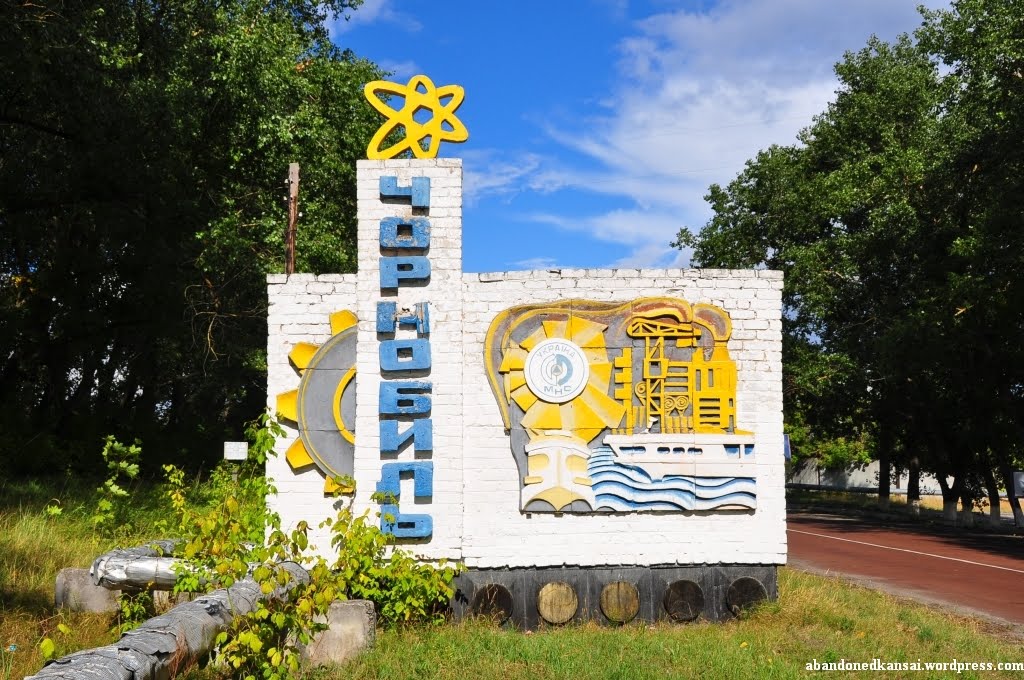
pixel 629 488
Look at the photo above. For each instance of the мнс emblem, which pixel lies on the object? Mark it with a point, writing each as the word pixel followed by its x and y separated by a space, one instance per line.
pixel 557 370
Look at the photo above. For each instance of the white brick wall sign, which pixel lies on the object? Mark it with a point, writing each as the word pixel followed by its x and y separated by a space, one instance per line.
pixel 577 426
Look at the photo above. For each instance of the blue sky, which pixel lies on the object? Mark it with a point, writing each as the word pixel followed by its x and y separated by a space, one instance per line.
pixel 596 126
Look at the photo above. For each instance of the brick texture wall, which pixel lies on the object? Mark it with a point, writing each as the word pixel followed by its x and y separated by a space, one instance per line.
pixel 475 507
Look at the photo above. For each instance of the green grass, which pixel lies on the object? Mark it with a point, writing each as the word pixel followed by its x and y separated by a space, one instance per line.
pixel 869 501
pixel 34 546
pixel 849 499
pixel 815 618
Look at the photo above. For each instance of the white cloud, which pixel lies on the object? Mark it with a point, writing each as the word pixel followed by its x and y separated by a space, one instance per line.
pixel 374 11
pixel 653 255
pixel 693 133
pixel 785 41
pixel 537 263
pixel 627 227
pixel 617 9
pixel 697 94
pixel 643 236
pixel 486 171
pixel 400 70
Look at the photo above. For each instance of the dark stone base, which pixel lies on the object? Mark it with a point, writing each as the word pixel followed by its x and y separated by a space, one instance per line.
pixel 613 595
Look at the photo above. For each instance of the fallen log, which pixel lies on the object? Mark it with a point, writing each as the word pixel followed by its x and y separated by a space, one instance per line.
pixel 167 644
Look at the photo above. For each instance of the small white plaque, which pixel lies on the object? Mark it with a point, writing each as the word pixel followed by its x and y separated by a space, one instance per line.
pixel 236 450
pixel 557 370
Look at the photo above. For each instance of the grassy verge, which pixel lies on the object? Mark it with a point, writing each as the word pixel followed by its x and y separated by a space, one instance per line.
pixel 857 500
pixel 867 503
pixel 35 545
pixel 815 618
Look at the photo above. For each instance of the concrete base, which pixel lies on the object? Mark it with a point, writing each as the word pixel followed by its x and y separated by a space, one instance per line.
pixel 75 591
pixel 352 628
pixel 535 598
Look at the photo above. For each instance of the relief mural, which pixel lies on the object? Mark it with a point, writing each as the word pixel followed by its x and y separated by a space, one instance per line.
pixel 621 406
pixel 323 408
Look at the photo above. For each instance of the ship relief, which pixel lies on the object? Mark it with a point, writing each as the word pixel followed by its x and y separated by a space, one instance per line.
pixel 621 407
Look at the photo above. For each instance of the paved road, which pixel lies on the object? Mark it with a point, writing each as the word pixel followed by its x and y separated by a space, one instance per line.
pixel 976 573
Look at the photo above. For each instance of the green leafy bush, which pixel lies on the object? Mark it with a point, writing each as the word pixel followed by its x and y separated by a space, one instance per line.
pixel 112 510
pixel 133 609
pixel 234 536
pixel 401 588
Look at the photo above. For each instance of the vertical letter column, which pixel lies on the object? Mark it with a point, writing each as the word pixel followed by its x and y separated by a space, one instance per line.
pixel 409 357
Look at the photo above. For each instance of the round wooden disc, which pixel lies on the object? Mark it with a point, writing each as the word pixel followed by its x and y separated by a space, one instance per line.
pixel 557 602
pixel 492 601
pixel 743 593
pixel 684 601
pixel 620 601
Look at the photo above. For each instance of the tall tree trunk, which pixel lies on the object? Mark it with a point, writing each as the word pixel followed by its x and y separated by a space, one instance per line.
pixel 884 466
pixel 966 507
pixel 914 486
pixel 995 513
pixel 950 495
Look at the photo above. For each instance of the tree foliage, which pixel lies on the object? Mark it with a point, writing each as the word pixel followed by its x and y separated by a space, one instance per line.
pixel 896 219
pixel 230 535
pixel 143 149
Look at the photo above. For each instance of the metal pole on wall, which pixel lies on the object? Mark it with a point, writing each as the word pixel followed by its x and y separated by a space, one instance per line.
pixel 293 218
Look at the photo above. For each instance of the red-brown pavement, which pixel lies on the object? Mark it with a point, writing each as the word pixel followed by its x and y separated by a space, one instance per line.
pixel 971 571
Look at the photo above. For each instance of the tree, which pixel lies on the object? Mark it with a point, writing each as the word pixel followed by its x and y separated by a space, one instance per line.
pixel 143 147
pixel 901 258
pixel 980 43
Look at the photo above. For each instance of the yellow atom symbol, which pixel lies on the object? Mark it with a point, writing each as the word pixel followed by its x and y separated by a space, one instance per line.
pixel 420 95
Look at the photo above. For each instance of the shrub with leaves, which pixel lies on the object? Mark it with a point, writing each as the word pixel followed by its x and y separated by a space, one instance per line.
pixel 235 537
pixel 122 461
pixel 47 646
pixel 228 536
pixel 133 609
pixel 264 643
pixel 402 588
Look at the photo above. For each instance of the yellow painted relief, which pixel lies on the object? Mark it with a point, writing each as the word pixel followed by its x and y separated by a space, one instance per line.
pixel 421 139
pixel 323 406
pixel 677 395
pixel 650 380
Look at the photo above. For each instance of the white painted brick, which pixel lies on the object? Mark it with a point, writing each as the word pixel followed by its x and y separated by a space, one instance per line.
pixel 476 486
